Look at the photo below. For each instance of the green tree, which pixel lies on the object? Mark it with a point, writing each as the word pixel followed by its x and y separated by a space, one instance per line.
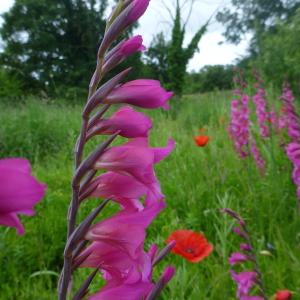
pixel 280 55
pixel 210 78
pixel 255 17
pixel 170 58
pixel 52 43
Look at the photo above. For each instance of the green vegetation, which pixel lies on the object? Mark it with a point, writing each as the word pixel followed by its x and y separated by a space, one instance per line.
pixel 197 183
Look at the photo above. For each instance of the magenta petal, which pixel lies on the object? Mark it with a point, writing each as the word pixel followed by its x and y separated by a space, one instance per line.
pixel 237 258
pixel 138 9
pixel 135 291
pixel 143 93
pixel 11 220
pixel 19 164
pixel 19 191
pixel 162 153
pixel 129 123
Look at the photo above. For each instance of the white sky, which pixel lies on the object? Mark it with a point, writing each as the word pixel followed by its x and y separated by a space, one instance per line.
pixel 157 19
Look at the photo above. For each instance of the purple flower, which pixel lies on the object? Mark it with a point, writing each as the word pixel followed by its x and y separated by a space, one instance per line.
pixel 245 282
pixel 239 125
pixel 127 17
pixel 237 258
pixel 19 192
pixel 260 162
pixel 246 247
pixel 115 263
pixel 125 229
pixel 134 158
pixel 126 190
pixel 143 93
pixel 130 123
pixel 124 49
pixel 261 112
pixel 112 291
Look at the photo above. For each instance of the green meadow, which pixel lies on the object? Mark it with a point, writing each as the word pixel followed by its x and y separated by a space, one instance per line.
pixel 197 182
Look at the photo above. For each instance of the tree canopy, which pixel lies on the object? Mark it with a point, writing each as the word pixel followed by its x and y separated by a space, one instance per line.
pixel 50 43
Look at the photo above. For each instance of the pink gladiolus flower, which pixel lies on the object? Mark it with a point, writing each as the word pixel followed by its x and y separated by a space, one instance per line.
pixel 130 123
pixel 19 192
pixel 130 14
pixel 257 157
pixel 134 291
pixel 125 190
pixel 239 125
pixel 122 51
pixel 246 247
pixel 293 152
pixel 168 274
pixel 138 9
pixel 115 263
pixel 134 158
pixel 143 93
pixel 125 229
pixel 245 282
pixel 262 114
pixel 237 258
pixel 293 125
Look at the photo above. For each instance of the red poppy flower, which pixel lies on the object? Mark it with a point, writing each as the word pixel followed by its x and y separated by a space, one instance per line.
pixel 201 140
pixel 191 245
pixel 283 295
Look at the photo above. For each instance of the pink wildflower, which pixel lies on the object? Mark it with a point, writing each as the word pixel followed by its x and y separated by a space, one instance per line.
pixel 143 93
pixel 245 282
pixel 260 162
pixel 262 114
pixel 19 192
pixel 237 258
pixel 124 49
pixel 130 124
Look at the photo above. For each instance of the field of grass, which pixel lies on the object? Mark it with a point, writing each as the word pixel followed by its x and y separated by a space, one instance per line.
pixel 197 182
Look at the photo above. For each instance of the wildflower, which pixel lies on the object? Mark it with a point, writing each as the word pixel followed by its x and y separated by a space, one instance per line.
pixel 126 229
pixel 283 295
pixel 115 245
pixel 260 162
pixel 120 52
pixel 112 291
pixel 191 245
pixel 143 93
pixel 245 280
pixel 19 192
pixel 135 158
pixel 128 122
pixel 239 125
pixel 237 258
pixel 262 114
pixel 201 140
pixel 292 120
pixel 126 190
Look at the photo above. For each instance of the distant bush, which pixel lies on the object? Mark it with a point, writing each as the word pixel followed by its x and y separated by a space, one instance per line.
pixel 280 55
pixel 209 78
pixel 10 86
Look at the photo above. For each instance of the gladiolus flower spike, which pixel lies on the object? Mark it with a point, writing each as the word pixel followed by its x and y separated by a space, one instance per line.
pixel 292 123
pixel 245 280
pixel 115 246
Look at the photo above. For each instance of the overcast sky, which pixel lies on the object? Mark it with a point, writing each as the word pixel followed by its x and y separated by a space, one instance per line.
pixel 157 19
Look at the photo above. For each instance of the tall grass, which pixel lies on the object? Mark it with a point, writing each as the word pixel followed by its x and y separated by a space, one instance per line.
pixel 197 183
